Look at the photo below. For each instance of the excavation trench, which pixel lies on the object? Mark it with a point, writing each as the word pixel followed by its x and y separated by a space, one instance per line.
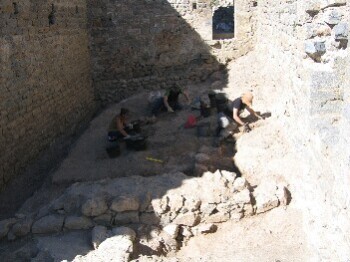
pixel 151 207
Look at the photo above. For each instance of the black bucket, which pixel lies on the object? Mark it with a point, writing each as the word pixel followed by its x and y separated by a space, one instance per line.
pixel 205 111
pixel 136 126
pixel 137 143
pixel 221 102
pixel 211 96
pixel 113 149
pixel 204 130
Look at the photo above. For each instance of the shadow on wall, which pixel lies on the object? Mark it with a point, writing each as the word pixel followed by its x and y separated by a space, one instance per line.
pixel 145 45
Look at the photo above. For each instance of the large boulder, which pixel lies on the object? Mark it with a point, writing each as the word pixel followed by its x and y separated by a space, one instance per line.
pixel 192 204
pixel 150 240
pixel 217 218
pixel 124 203
pixel 312 7
pixel 160 206
pixel 240 184
pixel 98 235
pixel 75 222
pixel 149 218
pixel 341 31
pixel 123 218
pixel 22 227
pixel 283 194
pixel 265 197
pixel 315 49
pixel 94 207
pixel 187 219
pixel 172 230
pixel 176 202
pixel 48 224
pixel 125 231
pixel 26 252
pixel 104 219
pixel 43 256
pixel 332 17
pixel 115 247
pixel 208 208
pixel 205 228
pixel 5 226
pixel 242 197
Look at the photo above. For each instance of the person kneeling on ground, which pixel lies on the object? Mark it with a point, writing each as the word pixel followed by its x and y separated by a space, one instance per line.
pixel 170 100
pixel 118 127
pixel 241 103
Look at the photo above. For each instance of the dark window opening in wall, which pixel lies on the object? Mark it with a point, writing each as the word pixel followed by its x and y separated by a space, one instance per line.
pixel 15 8
pixel 255 4
pixel 223 23
pixel 194 5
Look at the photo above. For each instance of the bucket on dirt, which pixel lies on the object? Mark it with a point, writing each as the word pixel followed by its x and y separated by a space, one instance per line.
pixel 113 149
pixel 136 126
pixel 211 96
pixel 205 109
pixel 137 143
pixel 204 130
pixel 221 102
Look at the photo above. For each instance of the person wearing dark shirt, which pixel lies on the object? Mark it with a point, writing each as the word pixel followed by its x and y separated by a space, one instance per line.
pixel 170 100
pixel 241 103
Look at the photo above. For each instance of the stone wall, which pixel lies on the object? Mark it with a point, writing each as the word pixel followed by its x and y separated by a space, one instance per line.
pixel 306 46
pixel 45 79
pixel 144 45
pixel 165 210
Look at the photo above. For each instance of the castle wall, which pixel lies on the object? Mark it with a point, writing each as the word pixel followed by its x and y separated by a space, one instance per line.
pixel 146 45
pixel 45 84
pixel 305 44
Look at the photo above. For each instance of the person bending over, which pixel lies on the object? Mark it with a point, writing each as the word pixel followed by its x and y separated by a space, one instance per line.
pixel 170 100
pixel 119 127
pixel 241 103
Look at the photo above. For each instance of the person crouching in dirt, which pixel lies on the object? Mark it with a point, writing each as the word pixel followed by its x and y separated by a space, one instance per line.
pixel 170 100
pixel 241 103
pixel 119 127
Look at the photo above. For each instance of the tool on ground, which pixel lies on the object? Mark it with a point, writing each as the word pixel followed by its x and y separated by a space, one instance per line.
pixel 154 160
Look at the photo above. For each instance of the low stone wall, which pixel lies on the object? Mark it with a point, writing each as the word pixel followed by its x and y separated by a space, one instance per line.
pixel 45 78
pixel 162 215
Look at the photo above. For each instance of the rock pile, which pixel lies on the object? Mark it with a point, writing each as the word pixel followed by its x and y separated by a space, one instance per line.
pixel 326 29
pixel 161 212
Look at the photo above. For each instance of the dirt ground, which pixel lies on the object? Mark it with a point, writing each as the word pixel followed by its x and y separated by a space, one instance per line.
pixel 274 236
